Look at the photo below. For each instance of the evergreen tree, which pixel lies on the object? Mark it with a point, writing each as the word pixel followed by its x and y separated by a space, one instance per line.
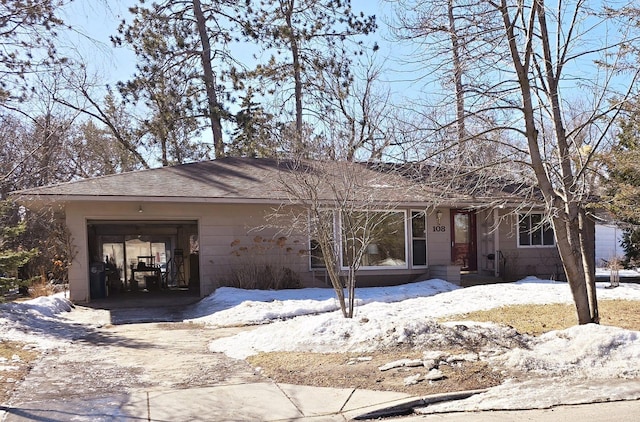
pixel 177 43
pixel 252 137
pixel 304 40
pixel 27 44
pixel 12 253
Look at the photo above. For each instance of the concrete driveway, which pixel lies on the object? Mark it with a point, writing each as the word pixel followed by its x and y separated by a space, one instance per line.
pixel 140 363
pixel 118 368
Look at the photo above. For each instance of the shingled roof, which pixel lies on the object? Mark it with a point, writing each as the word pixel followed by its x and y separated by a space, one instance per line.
pixel 229 177
pixel 226 180
pixel 234 179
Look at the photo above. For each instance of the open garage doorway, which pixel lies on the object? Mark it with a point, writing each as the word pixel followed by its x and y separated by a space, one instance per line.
pixel 143 259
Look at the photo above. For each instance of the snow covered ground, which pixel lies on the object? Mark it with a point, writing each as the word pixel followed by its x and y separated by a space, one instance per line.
pixel 578 365
pixel 604 273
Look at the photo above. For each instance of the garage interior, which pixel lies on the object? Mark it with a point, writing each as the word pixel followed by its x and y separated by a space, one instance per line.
pixel 143 259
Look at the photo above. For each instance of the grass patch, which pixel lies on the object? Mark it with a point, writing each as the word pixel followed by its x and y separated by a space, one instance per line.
pixel 345 370
pixel 15 363
pixel 539 319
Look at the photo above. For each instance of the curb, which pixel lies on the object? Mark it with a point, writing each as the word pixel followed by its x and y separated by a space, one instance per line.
pixel 407 408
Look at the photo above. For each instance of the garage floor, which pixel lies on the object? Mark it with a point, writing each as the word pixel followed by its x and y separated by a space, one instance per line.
pixel 146 299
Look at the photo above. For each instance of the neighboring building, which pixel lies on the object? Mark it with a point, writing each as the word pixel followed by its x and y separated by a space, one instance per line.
pixel 608 244
pixel 195 224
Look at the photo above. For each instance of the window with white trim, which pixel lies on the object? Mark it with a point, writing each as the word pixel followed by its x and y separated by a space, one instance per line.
pixel 534 231
pixel 419 238
pixel 323 223
pixel 385 235
pixel 316 256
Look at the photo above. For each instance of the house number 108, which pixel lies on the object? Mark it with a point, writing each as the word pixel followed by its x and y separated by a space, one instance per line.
pixel 439 228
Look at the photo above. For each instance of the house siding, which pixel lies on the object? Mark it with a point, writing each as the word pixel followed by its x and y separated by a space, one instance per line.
pixel 608 244
pixel 517 263
pixel 79 270
pixel 237 237
pixel 223 229
pixel 486 233
pixel 439 241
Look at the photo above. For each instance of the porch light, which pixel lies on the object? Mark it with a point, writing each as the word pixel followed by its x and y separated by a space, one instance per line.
pixel 439 216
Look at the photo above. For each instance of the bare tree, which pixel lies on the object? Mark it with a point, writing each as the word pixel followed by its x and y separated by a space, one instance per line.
pixel 338 203
pixel 451 53
pixel 302 39
pixel 356 116
pixel 532 63
pixel 80 92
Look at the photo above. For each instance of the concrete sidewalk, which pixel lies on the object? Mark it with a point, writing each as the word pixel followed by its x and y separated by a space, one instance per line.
pixel 270 402
pixel 233 402
pixel 262 401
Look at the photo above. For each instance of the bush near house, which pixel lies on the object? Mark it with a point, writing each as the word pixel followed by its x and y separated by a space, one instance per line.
pixel 264 264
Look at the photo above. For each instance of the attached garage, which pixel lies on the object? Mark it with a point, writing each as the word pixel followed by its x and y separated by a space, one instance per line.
pixel 131 256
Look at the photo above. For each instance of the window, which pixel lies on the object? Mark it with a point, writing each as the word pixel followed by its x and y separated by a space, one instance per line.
pixel 418 236
pixel 534 231
pixel 317 259
pixel 383 232
pixel 384 235
pixel 322 222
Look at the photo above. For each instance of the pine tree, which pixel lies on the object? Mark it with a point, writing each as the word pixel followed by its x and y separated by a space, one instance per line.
pixel 252 138
pixel 305 40
pixel 12 254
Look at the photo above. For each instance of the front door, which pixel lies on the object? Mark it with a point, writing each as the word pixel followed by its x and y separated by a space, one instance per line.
pixel 463 240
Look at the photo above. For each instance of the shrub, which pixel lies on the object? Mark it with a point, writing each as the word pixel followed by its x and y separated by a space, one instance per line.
pixel 265 264
pixel 41 287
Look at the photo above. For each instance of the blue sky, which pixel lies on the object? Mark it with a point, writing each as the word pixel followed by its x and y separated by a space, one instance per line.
pixel 99 19
pixel 96 21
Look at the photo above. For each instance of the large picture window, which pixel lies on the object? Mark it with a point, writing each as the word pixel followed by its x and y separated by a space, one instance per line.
pixel 317 259
pixel 379 235
pixel 534 231
pixel 383 233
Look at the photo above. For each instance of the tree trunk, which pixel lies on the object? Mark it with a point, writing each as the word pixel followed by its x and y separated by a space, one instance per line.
pixel 576 252
pixel 209 81
pixel 336 281
pixel 457 76
pixel 567 238
pixel 297 77
pixel 331 255
pixel 587 244
pixel 351 283
pixel 565 208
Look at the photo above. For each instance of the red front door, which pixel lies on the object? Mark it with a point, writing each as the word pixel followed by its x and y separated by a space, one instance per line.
pixel 463 240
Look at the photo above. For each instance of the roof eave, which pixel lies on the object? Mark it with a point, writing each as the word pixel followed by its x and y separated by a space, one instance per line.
pixel 123 198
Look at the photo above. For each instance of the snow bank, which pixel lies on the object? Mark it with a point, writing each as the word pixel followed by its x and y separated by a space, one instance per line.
pixel 36 321
pixel 232 307
pixel 586 351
